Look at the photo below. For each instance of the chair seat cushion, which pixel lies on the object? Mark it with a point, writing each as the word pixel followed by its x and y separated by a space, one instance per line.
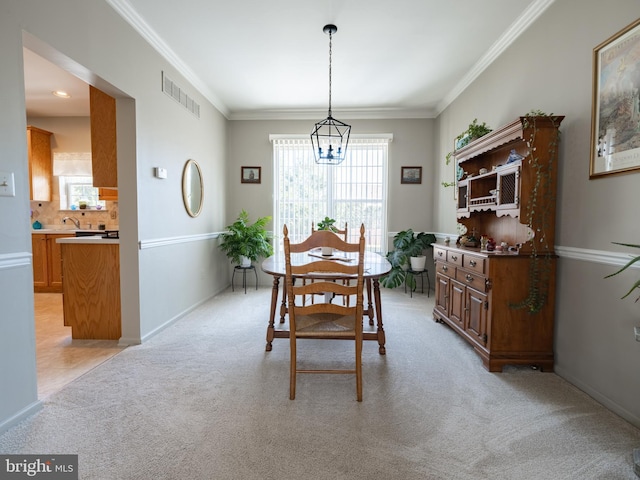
pixel 318 324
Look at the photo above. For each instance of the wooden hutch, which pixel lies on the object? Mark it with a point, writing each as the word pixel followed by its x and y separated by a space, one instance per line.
pixel 503 302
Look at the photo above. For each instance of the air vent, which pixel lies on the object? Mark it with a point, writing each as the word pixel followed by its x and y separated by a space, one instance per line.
pixel 179 95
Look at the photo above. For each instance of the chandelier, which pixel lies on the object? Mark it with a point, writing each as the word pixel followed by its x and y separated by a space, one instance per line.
pixel 330 137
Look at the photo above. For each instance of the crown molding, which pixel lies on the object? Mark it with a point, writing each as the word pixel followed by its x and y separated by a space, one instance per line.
pixel 317 114
pixel 131 16
pixel 530 15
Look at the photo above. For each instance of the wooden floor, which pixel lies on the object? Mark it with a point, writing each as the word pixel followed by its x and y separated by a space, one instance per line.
pixel 60 359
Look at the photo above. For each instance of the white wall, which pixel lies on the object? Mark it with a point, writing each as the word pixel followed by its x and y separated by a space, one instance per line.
pixel 550 68
pixel 169 263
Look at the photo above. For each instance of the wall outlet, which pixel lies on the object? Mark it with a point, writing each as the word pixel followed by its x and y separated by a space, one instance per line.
pixel 7 185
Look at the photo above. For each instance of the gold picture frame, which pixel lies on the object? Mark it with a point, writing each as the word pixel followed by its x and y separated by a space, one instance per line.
pixel 615 112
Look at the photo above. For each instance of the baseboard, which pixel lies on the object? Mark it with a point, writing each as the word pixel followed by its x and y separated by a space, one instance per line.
pixel 597 396
pixel 20 416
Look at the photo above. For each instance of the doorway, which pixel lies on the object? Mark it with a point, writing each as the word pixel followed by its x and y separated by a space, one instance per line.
pixel 59 358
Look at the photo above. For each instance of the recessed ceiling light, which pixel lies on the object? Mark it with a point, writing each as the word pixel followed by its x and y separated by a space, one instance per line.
pixel 61 94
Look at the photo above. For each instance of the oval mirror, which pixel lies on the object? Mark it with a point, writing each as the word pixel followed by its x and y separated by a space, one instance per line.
pixel 192 189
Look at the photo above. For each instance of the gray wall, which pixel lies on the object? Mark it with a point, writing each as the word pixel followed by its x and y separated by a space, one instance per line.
pixel 412 145
pixel 550 68
pixel 167 268
pixel 169 261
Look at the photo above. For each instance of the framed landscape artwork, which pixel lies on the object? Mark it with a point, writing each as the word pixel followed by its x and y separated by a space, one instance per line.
pixel 250 175
pixel 411 175
pixel 615 113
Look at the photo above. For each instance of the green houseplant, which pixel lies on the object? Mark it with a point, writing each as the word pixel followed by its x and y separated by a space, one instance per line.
pixel 327 224
pixel 474 131
pixel 406 244
pixel 633 261
pixel 245 242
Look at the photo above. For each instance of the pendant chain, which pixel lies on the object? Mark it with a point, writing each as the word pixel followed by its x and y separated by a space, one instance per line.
pixel 330 37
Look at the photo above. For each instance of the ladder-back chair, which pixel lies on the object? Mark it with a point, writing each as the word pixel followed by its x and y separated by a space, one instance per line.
pixel 325 320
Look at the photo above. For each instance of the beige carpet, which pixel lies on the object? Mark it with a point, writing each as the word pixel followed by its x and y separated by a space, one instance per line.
pixel 203 400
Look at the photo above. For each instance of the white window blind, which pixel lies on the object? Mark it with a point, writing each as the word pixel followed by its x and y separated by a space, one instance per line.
pixel 353 192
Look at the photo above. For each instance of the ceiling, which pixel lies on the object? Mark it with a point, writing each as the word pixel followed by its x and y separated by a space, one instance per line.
pixel 270 58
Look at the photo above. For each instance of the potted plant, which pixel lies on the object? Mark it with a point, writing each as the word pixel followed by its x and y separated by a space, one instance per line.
pixel 406 245
pixel 627 265
pixel 245 242
pixel 634 260
pixel 474 131
pixel 327 224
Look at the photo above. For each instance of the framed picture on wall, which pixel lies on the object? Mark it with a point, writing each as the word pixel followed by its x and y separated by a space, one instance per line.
pixel 411 175
pixel 615 111
pixel 250 175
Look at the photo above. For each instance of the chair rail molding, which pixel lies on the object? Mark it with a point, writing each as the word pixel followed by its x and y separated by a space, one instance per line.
pixel 14 260
pixel 163 242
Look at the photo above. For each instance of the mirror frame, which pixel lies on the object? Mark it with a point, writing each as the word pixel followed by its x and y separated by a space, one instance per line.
pixel 191 168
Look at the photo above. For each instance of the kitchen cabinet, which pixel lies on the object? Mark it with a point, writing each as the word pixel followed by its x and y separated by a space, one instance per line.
pixel 110 194
pixel 503 302
pixel 104 159
pixel 47 262
pixel 40 163
pixel 91 288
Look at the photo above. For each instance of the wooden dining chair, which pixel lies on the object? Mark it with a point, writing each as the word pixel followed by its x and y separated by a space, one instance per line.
pixel 344 234
pixel 328 321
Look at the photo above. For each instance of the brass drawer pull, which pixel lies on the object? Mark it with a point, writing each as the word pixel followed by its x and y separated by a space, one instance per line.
pixel 469 278
pixel 445 268
pixel 454 257
pixel 472 263
pixel 439 253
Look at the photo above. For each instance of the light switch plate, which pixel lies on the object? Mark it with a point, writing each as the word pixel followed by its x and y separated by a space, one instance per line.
pixel 7 185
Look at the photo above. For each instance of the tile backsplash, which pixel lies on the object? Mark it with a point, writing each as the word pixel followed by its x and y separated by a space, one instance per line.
pixel 50 215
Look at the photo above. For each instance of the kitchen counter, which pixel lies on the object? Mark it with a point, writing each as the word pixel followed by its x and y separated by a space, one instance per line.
pixel 70 231
pixel 95 240
pixel 91 287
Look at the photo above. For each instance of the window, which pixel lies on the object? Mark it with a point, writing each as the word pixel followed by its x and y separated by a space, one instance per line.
pixel 75 189
pixel 354 192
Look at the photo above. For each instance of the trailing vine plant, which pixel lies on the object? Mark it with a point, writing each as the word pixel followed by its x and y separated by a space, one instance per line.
pixel 474 131
pixel 539 212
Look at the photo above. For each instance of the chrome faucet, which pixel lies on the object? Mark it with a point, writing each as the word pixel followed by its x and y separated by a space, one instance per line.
pixel 75 221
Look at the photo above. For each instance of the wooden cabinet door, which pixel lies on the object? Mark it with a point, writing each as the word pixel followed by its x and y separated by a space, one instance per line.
pixel 442 294
pixel 39 261
pixel 509 191
pixel 477 309
pixel 55 261
pixel 457 299
pixel 40 163
pixel 104 160
pixel 110 194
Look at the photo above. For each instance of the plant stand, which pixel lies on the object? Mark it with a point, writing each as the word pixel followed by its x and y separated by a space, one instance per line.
pixel 244 276
pixel 420 274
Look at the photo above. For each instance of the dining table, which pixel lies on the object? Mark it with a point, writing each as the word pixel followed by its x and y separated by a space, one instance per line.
pixel 375 266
